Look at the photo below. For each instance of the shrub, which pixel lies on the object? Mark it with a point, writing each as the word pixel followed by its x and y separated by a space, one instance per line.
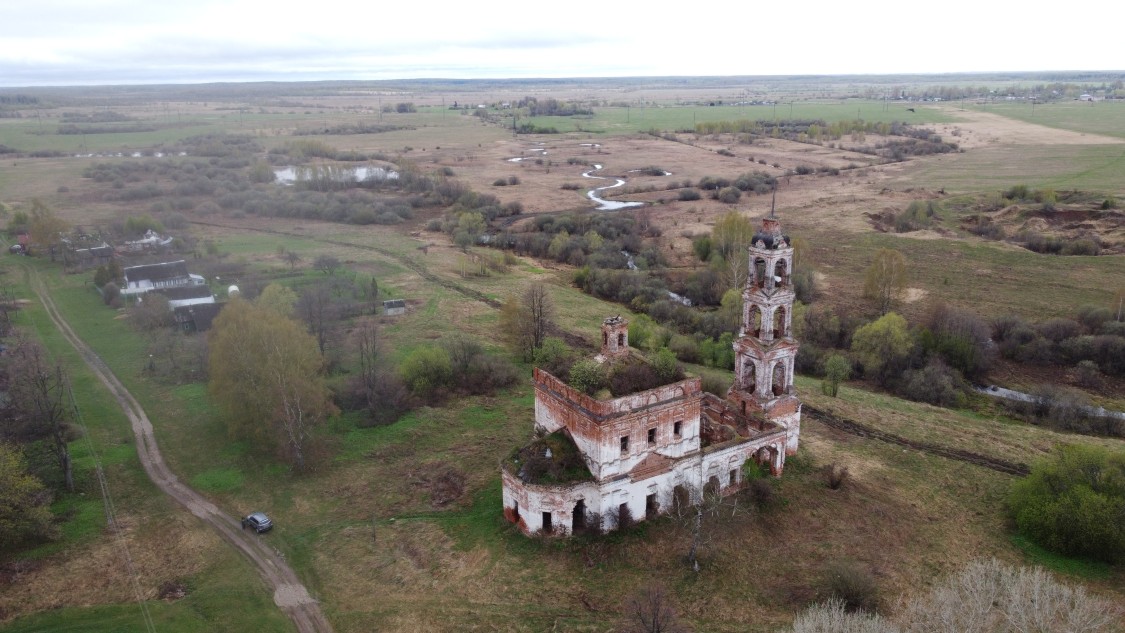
pixel 729 195
pixel 936 384
pixel 110 293
pixel 761 492
pixel 985 597
pixel 1060 408
pixel 587 376
pixel 1073 503
pixel 426 370
pixel 836 368
pixel 688 195
pixel 665 365
pixel 1081 247
pixel 835 476
pixel 554 356
pixel 851 584
pixel 1058 329
pixel 1093 317
pixel 632 378
pixel 1087 375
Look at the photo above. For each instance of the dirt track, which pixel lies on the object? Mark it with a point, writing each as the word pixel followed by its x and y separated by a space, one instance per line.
pixel 289 594
pixel 969 457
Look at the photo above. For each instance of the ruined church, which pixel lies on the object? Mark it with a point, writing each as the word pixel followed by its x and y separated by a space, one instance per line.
pixel 599 463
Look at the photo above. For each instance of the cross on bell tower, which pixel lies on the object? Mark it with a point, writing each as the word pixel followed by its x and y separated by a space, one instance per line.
pixel 765 350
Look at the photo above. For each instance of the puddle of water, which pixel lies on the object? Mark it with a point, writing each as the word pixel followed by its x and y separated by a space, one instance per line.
pixel 291 174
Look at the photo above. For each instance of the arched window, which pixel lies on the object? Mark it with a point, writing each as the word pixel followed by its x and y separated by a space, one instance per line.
pixel 754 321
pixel 781 273
pixel 749 376
pixel 779 322
pixel 779 379
pixel 759 272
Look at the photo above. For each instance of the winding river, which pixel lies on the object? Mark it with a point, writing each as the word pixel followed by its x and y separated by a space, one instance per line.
pixel 603 204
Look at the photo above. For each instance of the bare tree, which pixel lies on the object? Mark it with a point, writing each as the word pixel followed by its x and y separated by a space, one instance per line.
pixel 650 611
pixel 693 510
pixel 314 306
pixel 526 320
pixel 40 395
pixel 382 389
pixel 327 263
pixel 8 305
pixel 292 258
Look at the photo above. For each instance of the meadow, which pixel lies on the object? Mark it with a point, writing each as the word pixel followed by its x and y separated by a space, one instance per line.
pixel 364 530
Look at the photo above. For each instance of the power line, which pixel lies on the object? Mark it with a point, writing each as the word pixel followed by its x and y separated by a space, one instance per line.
pixel 111 516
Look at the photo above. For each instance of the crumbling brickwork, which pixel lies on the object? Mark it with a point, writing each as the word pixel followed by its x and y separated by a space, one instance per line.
pixel 644 449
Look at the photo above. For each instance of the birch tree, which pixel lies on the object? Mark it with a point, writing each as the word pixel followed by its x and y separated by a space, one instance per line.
pixel 266 374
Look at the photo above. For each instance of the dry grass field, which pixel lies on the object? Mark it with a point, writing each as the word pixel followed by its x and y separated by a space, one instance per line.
pixel 365 530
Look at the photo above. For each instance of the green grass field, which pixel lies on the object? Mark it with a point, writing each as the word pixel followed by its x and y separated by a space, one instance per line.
pixel 670 118
pixel 1100 117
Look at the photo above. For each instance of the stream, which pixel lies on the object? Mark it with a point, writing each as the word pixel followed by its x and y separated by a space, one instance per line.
pixel 1010 394
pixel 603 204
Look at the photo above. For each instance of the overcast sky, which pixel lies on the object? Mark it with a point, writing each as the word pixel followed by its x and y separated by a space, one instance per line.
pixel 68 42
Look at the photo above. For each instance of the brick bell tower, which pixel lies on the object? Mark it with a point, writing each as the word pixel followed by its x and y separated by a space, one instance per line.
pixel 765 350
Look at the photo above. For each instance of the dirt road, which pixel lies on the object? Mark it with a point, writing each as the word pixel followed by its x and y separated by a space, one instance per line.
pixel 289 594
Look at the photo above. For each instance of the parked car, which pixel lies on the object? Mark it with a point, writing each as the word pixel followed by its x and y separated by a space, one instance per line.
pixel 257 521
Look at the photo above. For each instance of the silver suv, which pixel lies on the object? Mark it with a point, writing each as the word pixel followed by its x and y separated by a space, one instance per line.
pixel 258 521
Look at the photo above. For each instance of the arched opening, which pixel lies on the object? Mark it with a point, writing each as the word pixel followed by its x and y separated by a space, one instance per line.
pixel 754 320
pixel 578 517
pixel 763 457
pixel 781 273
pixel 681 500
pixel 749 376
pixel 605 339
pixel 778 383
pixel 620 340
pixel 712 487
pixel 759 272
pixel 779 330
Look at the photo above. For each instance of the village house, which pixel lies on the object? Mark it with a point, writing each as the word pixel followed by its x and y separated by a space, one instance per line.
pixel 196 318
pixel 141 279
pixel 186 295
pixel 150 242
pixel 85 253
pixel 599 463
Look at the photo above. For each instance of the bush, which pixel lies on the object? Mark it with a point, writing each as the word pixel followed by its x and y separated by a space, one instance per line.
pixel 553 356
pixel 729 195
pixel 633 378
pixel 936 384
pixel 111 294
pixel 985 597
pixel 689 195
pixel 587 376
pixel 1087 375
pixel 426 370
pixel 851 584
pixel 1073 503
pixel 835 476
